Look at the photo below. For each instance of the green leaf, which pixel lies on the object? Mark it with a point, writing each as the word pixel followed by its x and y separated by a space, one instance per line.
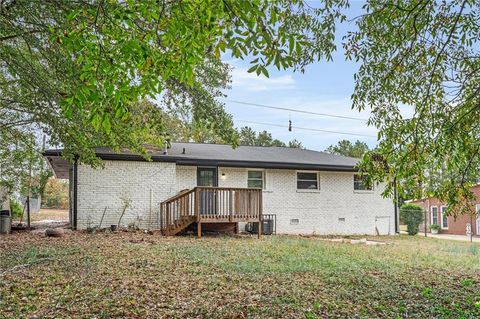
pixel 252 69
pixel 106 123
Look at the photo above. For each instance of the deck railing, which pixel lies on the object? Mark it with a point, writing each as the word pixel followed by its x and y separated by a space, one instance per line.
pixel 211 204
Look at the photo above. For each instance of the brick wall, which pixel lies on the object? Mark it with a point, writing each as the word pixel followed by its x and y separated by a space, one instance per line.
pixel 146 184
pixel 455 226
pixel 333 209
pixel 318 212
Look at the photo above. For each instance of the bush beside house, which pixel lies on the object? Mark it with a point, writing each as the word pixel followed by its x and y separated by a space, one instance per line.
pixel 412 216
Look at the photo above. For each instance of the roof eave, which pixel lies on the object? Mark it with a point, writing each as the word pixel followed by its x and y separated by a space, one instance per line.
pixel 214 162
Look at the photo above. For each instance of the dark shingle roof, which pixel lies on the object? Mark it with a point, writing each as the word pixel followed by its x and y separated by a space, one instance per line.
pixel 242 156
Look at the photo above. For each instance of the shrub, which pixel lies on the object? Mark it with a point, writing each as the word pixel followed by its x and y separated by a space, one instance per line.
pixel 434 227
pixel 412 216
pixel 15 208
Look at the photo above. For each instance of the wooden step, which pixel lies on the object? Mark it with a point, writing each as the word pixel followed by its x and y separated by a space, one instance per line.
pixel 182 223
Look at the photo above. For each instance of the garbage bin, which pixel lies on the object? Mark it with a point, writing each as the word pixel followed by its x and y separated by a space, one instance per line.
pixel 5 222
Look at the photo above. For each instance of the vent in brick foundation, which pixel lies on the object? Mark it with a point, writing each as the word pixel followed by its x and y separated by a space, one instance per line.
pixel 294 221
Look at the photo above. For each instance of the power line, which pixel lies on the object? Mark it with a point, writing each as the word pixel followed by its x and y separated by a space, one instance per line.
pixel 297 111
pixel 306 128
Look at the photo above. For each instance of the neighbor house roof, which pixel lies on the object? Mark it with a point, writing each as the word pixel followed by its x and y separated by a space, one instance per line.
pixel 224 155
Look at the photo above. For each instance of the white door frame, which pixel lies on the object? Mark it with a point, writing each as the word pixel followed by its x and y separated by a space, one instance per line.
pixel 443 208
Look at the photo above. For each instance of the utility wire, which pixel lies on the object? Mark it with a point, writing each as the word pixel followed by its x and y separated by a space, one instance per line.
pixel 306 128
pixel 297 111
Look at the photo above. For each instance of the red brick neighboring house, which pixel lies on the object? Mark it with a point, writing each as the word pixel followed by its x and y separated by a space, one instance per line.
pixel 448 224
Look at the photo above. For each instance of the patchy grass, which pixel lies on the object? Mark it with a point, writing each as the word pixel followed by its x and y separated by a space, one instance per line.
pixel 137 275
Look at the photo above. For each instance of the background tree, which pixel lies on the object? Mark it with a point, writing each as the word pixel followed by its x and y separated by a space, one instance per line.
pixel 247 136
pixel 22 167
pixel 55 194
pixel 347 148
pixel 295 144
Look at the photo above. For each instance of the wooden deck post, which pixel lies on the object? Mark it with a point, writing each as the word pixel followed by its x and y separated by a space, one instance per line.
pixel 199 229
pixel 260 213
pixel 197 204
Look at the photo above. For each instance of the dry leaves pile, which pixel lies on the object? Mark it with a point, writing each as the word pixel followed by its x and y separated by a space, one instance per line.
pixel 136 275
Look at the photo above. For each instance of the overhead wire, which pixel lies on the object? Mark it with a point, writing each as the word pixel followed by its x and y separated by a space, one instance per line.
pixel 296 110
pixel 306 128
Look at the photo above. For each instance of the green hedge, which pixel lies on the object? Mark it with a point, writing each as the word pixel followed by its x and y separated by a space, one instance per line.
pixel 412 216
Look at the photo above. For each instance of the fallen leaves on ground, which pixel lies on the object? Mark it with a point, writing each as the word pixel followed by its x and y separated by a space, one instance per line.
pixel 136 275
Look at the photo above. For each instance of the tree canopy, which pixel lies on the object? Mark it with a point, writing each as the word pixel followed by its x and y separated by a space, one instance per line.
pixel 347 148
pixel 76 69
pixel 419 75
pixel 81 71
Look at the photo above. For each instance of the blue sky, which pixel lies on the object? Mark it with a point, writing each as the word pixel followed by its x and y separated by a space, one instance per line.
pixel 325 87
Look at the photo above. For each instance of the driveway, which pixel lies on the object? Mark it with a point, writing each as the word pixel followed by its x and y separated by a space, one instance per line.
pixel 475 239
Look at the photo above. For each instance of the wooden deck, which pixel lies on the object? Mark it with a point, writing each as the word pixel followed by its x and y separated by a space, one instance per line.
pixel 209 205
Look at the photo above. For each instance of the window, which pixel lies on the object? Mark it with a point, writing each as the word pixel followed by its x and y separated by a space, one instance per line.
pixel 444 217
pixel 306 180
pixel 434 215
pixel 359 183
pixel 256 179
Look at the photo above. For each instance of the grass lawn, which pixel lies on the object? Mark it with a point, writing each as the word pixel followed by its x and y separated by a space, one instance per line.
pixel 138 275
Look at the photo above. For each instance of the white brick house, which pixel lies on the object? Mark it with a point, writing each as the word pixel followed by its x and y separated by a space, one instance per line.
pixel 309 192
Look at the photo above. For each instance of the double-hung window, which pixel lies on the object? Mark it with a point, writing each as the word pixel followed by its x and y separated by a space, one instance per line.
pixel 256 179
pixel 307 180
pixel 434 215
pixel 444 217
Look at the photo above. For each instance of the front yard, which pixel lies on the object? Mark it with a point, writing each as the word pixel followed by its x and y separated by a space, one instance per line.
pixel 139 275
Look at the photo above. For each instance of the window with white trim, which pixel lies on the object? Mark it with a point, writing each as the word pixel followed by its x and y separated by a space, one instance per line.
pixel 256 179
pixel 307 180
pixel 434 215
pixel 360 183
pixel 444 217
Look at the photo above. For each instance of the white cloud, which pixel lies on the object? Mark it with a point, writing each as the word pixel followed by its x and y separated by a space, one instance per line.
pixel 245 81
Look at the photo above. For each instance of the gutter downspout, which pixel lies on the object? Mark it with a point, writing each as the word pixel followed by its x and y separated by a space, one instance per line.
pixel 75 193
